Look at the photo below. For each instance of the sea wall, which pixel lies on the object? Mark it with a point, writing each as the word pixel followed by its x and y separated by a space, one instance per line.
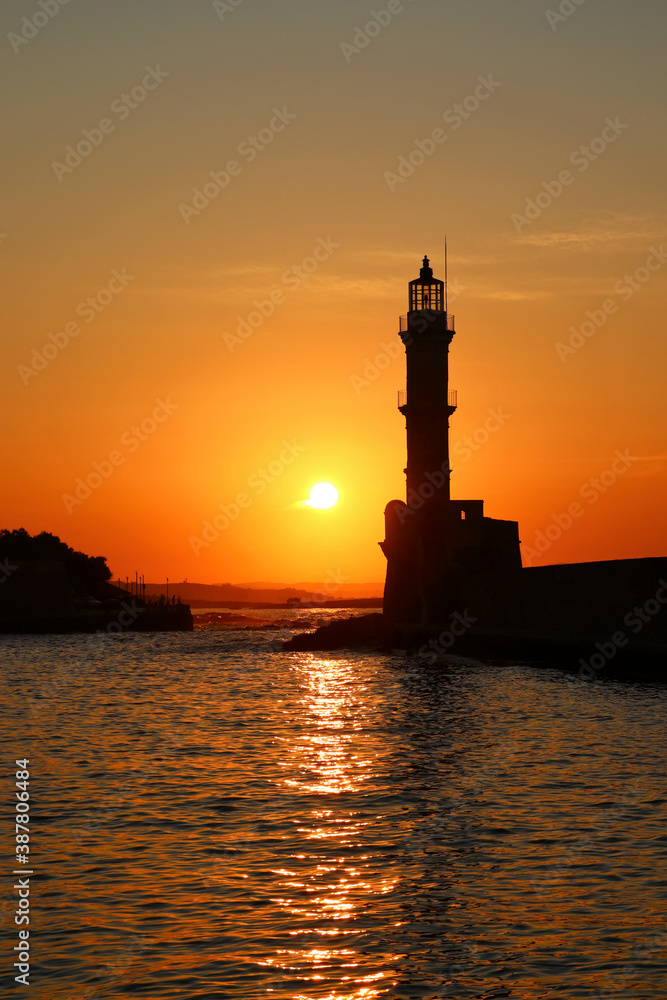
pixel 596 600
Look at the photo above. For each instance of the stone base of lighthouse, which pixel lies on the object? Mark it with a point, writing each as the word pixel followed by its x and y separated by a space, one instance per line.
pixel 448 558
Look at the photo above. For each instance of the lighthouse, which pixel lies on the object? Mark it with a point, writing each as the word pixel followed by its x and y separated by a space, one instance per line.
pixel 442 554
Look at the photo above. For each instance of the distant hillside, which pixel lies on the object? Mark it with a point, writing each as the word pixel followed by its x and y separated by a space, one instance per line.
pixel 261 593
pixel 342 590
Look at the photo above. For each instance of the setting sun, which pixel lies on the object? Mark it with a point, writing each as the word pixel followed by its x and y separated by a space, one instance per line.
pixel 322 496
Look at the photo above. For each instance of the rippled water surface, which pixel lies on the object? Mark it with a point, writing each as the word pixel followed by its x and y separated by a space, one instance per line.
pixel 214 818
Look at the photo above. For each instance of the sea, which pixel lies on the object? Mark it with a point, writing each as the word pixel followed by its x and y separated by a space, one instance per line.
pixel 212 817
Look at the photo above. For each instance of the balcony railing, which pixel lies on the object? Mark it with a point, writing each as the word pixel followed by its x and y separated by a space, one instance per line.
pixel 430 316
pixel 452 398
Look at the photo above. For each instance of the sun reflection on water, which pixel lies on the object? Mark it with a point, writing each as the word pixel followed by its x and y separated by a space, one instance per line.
pixel 330 885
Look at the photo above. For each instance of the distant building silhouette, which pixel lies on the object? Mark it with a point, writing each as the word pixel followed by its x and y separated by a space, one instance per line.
pixel 440 552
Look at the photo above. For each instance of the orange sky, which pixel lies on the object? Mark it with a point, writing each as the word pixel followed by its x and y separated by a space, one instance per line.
pixel 304 121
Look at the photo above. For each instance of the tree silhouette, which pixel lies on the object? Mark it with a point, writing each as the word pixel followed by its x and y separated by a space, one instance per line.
pixel 83 572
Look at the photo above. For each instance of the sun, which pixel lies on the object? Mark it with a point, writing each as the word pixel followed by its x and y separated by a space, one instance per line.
pixel 322 496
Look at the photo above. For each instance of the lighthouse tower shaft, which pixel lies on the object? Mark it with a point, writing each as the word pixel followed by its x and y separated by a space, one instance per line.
pixel 427 404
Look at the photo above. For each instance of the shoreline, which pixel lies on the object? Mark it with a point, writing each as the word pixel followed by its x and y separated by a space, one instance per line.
pixel 581 655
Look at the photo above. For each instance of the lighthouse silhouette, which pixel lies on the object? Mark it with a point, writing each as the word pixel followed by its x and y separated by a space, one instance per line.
pixel 443 556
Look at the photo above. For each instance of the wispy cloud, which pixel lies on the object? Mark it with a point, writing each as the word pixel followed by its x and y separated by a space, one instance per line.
pixel 612 232
pixel 649 465
pixel 508 294
pixel 238 283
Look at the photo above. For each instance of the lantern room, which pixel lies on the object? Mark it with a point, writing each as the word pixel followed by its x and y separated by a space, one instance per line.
pixel 426 292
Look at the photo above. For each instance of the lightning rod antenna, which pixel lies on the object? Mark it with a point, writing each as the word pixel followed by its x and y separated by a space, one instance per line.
pixel 445 272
